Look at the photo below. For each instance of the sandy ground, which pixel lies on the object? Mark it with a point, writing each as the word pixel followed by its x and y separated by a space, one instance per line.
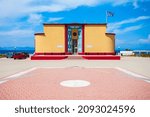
pixel 137 65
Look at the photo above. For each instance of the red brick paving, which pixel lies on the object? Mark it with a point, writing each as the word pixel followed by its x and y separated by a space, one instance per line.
pixel 106 83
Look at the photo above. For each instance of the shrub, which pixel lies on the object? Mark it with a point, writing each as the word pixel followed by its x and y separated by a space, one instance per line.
pixel 2 55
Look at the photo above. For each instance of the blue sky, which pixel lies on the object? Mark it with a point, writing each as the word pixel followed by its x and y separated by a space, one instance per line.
pixel 19 20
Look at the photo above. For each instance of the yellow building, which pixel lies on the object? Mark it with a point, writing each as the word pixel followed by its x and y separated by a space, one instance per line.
pixel 60 40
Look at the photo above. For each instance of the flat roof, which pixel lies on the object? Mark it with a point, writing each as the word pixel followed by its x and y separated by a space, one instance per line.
pixel 110 33
pixel 39 34
pixel 74 23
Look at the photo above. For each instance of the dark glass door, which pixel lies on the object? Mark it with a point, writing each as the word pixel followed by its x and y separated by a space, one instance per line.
pixel 74 46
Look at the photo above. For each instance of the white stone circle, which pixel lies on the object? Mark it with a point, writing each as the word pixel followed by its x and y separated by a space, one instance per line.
pixel 75 83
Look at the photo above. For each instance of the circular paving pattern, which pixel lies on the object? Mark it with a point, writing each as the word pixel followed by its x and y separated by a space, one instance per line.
pixel 75 83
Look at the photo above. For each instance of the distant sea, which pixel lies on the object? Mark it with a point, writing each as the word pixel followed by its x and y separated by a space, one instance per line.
pixel 30 51
pixel 6 51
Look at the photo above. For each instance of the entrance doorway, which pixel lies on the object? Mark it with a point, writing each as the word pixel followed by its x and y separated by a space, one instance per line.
pixel 74 39
pixel 74 46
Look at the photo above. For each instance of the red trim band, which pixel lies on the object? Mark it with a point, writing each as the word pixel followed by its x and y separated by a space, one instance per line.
pixel 53 57
pixel 83 39
pixel 66 39
pixel 100 53
pixel 101 57
pixel 41 53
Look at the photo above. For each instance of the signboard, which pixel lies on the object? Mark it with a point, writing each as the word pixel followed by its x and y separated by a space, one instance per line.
pixel 74 34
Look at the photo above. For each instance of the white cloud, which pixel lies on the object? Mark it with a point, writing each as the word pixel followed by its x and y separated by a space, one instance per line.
pixel 17 33
pixel 15 8
pixel 135 4
pixel 18 8
pixel 131 28
pixel 120 41
pixel 117 25
pixel 17 37
pixel 53 19
pixel 75 3
pixel 145 41
pixel 35 19
pixel 120 2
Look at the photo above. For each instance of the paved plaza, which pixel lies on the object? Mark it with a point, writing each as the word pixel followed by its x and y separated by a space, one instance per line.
pixel 76 79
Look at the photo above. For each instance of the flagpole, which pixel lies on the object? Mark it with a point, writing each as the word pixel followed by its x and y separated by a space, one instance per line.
pixel 106 17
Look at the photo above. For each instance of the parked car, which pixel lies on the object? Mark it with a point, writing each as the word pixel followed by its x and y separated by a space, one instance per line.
pixel 10 54
pixel 27 54
pixel 19 56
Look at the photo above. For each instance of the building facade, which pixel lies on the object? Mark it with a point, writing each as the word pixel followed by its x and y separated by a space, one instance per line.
pixel 74 39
